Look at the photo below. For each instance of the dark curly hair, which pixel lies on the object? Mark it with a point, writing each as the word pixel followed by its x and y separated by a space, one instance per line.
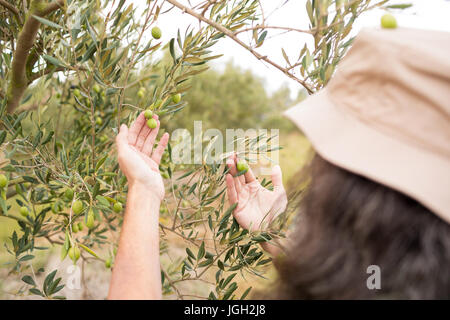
pixel 347 223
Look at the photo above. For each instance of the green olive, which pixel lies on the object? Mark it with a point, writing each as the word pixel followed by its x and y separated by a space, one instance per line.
pixel 148 114
pixel 165 175
pixel 56 207
pixel 108 263
pixel 151 123
pixel 90 220
pixel 68 194
pixel 80 226
pixel 388 21
pixel 117 207
pixel 156 32
pixel 75 228
pixel 3 181
pixel 77 93
pixel 98 121
pixel 242 166
pixel 74 254
pixel 24 211
pixel 176 98
pixel 77 206
pixel 141 92
pixel 96 88
pixel 163 210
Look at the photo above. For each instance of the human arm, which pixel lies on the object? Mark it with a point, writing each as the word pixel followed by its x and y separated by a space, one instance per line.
pixel 256 206
pixel 136 273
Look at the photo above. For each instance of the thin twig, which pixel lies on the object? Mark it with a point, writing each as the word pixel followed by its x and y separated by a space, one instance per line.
pixel 272 27
pixel 233 36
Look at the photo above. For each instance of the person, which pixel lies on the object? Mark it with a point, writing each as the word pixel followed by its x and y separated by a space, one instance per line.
pixel 378 193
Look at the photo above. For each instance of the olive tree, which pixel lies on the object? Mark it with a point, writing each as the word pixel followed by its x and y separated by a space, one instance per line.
pixel 71 71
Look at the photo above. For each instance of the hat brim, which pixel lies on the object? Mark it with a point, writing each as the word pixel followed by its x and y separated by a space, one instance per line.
pixel 347 142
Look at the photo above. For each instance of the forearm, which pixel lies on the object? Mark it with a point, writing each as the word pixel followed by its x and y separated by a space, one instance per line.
pixel 136 273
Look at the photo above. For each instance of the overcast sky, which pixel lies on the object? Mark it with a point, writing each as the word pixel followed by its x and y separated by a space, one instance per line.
pixel 425 14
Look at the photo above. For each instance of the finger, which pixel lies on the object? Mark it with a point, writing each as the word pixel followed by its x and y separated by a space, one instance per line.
pixel 280 204
pixel 233 171
pixel 159 150
pixel 122 136
pixel 277 178
pixel 150 140
pixel 142 136
pixel 249 176
pixel 135 128
pixel 231 190
pixel 231 165
pixel 241 177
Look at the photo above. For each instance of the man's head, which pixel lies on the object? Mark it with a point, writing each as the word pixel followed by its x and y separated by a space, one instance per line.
pixel 347 223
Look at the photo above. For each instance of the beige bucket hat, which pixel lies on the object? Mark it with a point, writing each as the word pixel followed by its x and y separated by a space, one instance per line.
pixel 385 114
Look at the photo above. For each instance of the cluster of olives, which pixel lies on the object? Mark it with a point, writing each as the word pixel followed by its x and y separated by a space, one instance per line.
pixel 148 113
pixel 77 208
pixel 151 122
pixel 77 93
pixel 176 98
pixel 24 211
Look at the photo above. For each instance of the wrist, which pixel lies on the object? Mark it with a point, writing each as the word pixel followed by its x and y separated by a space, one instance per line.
pixel 145 191
pixel 141 201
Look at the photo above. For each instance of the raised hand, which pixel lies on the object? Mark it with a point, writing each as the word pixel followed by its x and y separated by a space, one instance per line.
pixel 138 160
pixel 257 206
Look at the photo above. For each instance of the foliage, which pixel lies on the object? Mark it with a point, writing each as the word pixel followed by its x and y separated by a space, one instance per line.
pixel 240 100
pixel 69 77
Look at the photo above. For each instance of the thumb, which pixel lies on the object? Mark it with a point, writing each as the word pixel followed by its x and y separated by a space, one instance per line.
pixel 122 137
pixel 277 178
